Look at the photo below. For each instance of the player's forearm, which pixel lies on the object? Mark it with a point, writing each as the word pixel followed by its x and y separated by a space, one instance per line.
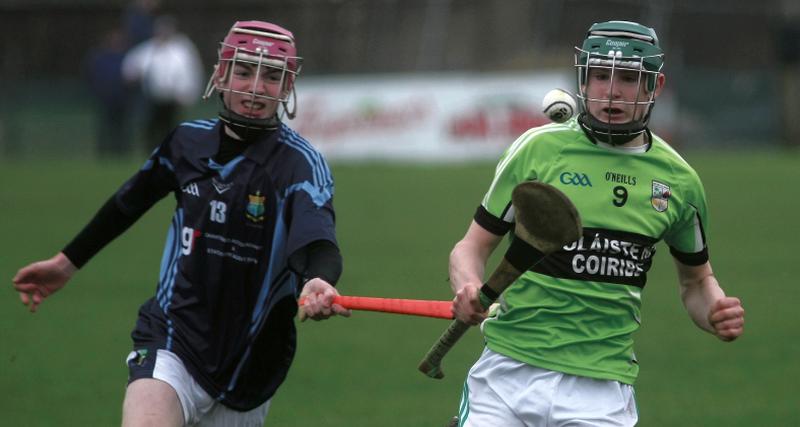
pixel 467 264
pixel 320 258
pixel 698 295
pixel 64 264
pixel 109 222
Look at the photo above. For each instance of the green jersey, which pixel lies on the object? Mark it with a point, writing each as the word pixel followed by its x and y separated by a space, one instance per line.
pixel 576 311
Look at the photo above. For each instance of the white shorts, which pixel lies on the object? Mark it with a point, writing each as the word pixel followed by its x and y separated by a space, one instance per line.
pixel 501 391
pixel 199 408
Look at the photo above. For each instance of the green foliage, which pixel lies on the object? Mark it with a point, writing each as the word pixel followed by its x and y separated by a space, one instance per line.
pixel 397 223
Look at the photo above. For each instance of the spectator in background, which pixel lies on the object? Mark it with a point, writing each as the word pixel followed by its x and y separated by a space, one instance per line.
pixel 138 17
pixel 168 70
pixel 789 57
pixel 104 74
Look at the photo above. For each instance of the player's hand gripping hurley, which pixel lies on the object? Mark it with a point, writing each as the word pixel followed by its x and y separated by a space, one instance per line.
pixel 545 219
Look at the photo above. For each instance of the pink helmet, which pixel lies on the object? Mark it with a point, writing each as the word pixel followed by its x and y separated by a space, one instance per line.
pixel 263 45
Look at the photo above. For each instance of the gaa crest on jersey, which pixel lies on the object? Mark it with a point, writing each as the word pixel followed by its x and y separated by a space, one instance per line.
pixel 255 207
pixel 660 197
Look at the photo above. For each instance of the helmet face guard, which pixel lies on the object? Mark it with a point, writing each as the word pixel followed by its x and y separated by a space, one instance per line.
pixel 616 47
pixel 266 49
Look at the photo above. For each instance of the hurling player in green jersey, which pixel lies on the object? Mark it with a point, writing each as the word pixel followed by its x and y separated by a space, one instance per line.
pixel 560 349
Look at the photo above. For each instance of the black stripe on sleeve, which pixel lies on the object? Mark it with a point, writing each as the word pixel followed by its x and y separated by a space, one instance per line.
pixel 698 258
pixel 490 222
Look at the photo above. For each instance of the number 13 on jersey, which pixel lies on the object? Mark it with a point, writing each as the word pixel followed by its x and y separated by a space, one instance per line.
pixel 218 211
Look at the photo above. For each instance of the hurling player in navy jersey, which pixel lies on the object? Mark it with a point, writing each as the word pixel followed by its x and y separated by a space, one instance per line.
pixel 253 230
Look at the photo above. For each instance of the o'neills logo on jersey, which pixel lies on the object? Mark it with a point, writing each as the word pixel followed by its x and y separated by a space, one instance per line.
pixel 255 207
pixel 660 197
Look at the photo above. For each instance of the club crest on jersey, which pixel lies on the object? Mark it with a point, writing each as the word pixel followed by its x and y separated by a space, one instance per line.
pixel 255 207
pixel 660 197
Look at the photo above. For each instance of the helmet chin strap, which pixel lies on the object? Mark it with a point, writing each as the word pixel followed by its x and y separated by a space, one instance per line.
pixel 614 134
pixel 247 128
pixel 611 133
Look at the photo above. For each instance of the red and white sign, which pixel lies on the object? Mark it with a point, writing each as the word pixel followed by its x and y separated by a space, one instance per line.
pixel 436 117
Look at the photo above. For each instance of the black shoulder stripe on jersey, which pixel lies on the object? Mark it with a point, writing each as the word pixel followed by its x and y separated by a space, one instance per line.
pixel 694 259
pixel 490 222
pixel 697 258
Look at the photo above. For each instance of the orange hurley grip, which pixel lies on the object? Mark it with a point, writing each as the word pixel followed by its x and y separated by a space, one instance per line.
pixel 412 307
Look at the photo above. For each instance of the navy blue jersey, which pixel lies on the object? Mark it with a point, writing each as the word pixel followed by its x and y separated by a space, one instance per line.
pixel 226 299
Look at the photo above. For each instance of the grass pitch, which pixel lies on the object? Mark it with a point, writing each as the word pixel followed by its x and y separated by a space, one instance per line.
pixel 396 225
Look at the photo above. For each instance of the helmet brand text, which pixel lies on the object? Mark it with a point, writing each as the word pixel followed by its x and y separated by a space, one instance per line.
pixel 616 43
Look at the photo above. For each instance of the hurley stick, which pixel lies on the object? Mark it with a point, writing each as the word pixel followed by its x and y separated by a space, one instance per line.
pixel 546 220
